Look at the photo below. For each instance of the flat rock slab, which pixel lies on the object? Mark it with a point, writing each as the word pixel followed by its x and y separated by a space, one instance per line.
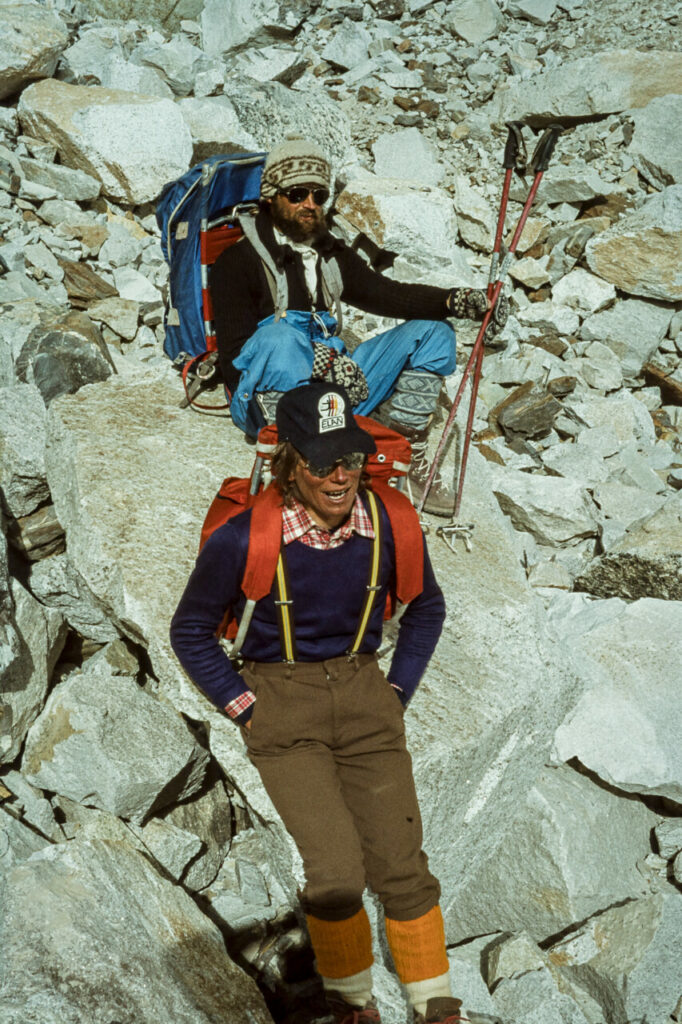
pixel 119 138
pixel 103 741
pixel 22 450
pixel 654 147
pixel 633 661
pixel 647 562
pixel 642 253
pixel 74 948
pixel 31 40
pixel 605 83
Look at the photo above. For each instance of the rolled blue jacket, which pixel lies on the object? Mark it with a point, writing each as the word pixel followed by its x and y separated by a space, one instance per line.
pixel 327 589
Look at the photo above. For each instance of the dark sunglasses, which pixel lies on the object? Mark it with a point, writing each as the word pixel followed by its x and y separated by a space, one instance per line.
pixel 298 193
pixel 354 460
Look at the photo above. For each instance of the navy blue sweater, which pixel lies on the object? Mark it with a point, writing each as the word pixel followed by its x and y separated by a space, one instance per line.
pixel 327 589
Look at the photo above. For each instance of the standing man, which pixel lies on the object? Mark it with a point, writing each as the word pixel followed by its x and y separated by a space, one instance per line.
pixel 277 306
pixel 322 724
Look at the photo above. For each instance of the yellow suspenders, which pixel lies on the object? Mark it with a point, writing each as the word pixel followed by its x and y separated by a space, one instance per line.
pixel 284 604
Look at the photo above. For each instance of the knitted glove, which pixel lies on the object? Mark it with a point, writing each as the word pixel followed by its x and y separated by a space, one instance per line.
pixel 335 368
pixel 468 303
pixel 499 318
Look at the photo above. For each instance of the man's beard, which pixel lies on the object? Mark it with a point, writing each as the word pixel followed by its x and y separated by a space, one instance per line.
pixel 306 229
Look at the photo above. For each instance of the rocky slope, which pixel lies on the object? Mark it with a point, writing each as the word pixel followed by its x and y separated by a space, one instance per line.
pixel 141 877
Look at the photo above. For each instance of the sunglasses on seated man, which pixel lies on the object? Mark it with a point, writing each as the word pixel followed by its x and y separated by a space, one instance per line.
pixel 354 460
pixel 298 193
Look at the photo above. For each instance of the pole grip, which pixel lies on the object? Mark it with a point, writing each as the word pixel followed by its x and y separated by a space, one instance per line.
pixel 514 146
pixel 545 147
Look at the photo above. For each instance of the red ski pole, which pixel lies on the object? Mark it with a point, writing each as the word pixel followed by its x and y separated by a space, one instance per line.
pixel 539 162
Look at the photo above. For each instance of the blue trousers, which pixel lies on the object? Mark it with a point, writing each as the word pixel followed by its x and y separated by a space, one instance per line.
pixel 279 356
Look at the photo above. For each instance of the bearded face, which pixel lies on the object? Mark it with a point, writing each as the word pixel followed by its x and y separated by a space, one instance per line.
pixel 301 222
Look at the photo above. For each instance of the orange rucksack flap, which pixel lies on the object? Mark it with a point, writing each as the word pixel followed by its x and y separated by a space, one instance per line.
pixel 232 498
pixel 408 540
pixel 266 528
pixel 393 454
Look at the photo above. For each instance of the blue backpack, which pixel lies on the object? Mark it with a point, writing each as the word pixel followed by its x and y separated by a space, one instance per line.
pixel 197 218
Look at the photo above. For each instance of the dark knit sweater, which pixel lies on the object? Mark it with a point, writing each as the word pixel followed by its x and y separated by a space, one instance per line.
pixel 241 296
pixel 327 588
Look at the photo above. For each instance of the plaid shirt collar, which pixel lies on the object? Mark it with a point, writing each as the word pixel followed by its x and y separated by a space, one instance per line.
pixel 298 524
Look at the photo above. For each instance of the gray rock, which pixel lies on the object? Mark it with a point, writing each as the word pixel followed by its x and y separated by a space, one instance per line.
pixel 627 959
pixel 172 847
pixel 476 20
pixel 408 155
pixel 603 83
pixel 228 27
pixel 554 510
pixel 208 816
pixel 31 807
pixel 134 286
pixel 600 367
pixel 669 837
pixel 245 893
pixel 584 292
pixel 539 12
pixel 272 64
pixel 23 484
pixel 31 39
pixel 535 998
pixel 574 182
pixel 62 355
pixel 98 57
pixel 103 741
pixel 121 315
pixel 474 216
pixel 121 249
pixel 569 851
pixel 269 111
pixel 215 127
pixel 66 181
pixel 653 147
pixel 546 316
pixel 17 842
pixel 119 138
pixel 81 904
pixel 624 507
pixel 33 640
pixel 626 417
pixel 419 223
pixel 509 957
pixel 642 252
pixel 56 584
pixel 636 654
pixel 176 62
pixel 632 328
pixel 348 46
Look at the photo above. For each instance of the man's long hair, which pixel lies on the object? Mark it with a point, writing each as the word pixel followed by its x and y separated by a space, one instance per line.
pixel 285 458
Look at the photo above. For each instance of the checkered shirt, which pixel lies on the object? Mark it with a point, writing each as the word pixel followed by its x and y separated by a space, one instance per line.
pixel 298 524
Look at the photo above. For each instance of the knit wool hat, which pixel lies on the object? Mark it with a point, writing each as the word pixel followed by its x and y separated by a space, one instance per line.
pixel 296 161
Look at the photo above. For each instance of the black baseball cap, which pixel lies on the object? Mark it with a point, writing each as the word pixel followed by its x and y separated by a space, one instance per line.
pixel 317 418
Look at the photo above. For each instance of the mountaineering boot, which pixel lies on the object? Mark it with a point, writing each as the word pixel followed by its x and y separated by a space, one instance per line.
pixel 267 402
pixel 410 411
pixel 344 1013
pixel 441 497
pixel 442 1010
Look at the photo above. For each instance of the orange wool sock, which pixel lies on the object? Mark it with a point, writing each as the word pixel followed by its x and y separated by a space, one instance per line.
pixel 341 948
pixel 418 946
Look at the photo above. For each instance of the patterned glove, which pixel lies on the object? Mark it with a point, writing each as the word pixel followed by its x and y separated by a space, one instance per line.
pixel 498 319
pixel 468 303
pixel 335 368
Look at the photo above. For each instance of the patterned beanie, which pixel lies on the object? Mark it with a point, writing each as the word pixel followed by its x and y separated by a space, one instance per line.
pixel 296 161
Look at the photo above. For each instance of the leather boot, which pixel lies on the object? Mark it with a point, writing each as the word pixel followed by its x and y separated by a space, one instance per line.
pixel 344 1013
pixel 441 497
pixel 442 1010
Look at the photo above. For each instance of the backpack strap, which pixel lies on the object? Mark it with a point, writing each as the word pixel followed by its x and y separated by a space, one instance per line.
pixel 332 286
pixel 373 585
pixel 408 540
pixel 285 611
pixel 277 281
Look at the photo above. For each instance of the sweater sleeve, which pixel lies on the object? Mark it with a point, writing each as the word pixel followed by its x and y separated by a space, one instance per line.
pixel 370 291
pixel 212 589
pixel 420 627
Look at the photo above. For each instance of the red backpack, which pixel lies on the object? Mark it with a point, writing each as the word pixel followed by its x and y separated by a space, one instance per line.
pixel 387 468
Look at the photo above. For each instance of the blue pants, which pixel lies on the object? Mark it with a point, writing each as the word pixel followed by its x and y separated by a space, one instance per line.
pixel 279 356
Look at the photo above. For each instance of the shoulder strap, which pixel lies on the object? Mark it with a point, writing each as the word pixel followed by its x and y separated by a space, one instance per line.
pixel 277 281
pixel 261 560
pixel 408 540
pixel 373 585
pixel 332 286
pixel 285 612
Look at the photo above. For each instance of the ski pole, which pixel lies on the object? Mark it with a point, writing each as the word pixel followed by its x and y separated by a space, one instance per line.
pixel 539 161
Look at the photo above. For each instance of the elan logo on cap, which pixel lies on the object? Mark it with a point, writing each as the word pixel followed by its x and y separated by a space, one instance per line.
pixel 332 414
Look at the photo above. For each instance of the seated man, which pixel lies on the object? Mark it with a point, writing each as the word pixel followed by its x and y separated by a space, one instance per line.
pixel 277 305
pixel 322 723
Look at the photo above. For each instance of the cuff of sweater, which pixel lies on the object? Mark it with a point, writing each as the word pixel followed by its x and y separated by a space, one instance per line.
pixel 241 708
